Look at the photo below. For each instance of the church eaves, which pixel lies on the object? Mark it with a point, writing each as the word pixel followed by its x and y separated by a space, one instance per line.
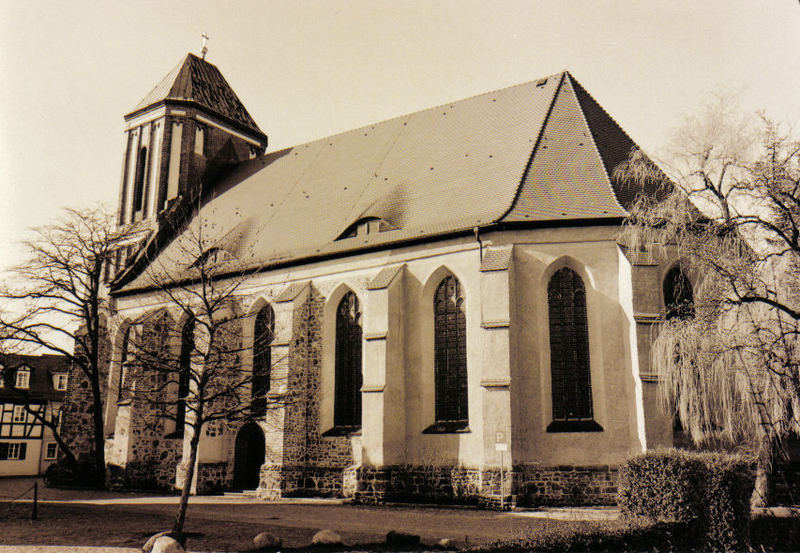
pixel 197 81
pixel 539 152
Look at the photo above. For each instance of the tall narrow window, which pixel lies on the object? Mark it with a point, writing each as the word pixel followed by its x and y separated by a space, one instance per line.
pixel 678 295
pixel 184 373
pixel 263 334
pixel 678 304
pixel 126 344
pixel 569 354
pixel 450 353
pixel 347 388
pixel 138 182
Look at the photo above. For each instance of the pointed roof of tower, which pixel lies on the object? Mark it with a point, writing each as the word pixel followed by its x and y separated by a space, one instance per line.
pixel 200 82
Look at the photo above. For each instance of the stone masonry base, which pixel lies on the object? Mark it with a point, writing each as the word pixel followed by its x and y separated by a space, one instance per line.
pixel 525 485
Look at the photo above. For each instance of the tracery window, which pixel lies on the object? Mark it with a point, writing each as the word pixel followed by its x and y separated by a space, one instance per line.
pixel 263 335
pixel 450 352
pixel 678 304
pixel 678 295
pixel 571 383
pixel 348 377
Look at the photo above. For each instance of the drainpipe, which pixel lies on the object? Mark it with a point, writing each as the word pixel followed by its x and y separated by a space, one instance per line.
pixel 476 232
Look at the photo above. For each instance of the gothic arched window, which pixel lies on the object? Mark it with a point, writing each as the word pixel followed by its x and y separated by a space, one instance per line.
pixel 450 352
pixel 263 334
pixel 571 382
pixel 347 388
pixel 184 372
pixel 678 295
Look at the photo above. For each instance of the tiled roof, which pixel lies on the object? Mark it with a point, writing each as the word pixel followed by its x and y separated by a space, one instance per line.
pixel 196 80
pixel 43 367
pixel 531 153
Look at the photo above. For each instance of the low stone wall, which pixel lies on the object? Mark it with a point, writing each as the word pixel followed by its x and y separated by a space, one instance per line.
pixel 213 477
pixel 277 482
pixel 565 485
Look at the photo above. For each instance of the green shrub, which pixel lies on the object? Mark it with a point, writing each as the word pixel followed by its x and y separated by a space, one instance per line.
pixel 631 535
pixel 708 492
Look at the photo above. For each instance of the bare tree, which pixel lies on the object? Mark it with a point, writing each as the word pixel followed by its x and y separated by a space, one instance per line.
pixel 731 370
pixel 192 373
pixel 56 301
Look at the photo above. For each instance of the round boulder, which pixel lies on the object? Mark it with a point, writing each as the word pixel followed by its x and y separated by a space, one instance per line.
pixel 148 546
pixel 326 537
pixel 401 539
pixel 267 542
pixel 166 544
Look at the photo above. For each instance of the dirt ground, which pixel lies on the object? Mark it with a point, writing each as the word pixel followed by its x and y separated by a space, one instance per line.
pixel 226 525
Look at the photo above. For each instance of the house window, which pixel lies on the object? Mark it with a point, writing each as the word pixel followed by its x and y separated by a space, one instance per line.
pixel 347 388
pixel 51 451
pixel 450 353
pixel 19 414
pixel 23 380
pixel 571 382
pixel 678 295
pixel 12 451
pixel 263 334
pixel 60 382
pixel 184 373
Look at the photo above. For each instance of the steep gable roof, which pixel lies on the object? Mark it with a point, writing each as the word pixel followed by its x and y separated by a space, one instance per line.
pixel 530 153
pixel 198 81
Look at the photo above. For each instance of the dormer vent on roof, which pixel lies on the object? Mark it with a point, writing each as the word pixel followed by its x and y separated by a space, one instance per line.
pixel 365 226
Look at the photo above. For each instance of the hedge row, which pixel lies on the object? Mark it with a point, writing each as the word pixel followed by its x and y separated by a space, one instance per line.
pixel 708 492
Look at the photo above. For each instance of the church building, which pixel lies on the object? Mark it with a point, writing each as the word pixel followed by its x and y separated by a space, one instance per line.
pixel 443 292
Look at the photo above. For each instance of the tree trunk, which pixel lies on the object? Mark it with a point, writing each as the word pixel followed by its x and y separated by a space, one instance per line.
pixel 177 529
pixel 99 443
pixel 763 470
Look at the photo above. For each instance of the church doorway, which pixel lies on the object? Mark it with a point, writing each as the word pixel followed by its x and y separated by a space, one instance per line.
pixel 249 456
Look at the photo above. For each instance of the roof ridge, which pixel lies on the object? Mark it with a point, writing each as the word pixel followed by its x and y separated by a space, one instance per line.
pixel 525 172
pixel 572 81
pixel 425 110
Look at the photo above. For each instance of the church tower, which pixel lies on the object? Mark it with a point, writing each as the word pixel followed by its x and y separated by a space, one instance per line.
pixel 187 129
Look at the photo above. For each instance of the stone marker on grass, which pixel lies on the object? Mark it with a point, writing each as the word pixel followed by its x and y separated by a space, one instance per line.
pixel 267 542
pixel 326 537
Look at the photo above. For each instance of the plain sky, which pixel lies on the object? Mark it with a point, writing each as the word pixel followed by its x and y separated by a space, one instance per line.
pixel 69 71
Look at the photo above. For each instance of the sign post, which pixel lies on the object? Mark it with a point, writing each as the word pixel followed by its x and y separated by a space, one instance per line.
pixel 500 445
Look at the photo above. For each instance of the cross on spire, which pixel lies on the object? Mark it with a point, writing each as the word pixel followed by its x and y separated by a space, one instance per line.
pixel 204 49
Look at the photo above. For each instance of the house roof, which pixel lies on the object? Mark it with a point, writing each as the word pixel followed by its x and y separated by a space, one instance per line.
pixel 198 81
pixel 42 367
pixel 542 151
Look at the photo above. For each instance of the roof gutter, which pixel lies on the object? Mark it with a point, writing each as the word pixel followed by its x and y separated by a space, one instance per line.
pixel 447 235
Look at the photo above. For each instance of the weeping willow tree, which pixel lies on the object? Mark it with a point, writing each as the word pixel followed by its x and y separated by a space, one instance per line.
pixel 730 370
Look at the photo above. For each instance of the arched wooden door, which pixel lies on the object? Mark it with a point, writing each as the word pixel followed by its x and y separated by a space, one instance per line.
pixel 249 456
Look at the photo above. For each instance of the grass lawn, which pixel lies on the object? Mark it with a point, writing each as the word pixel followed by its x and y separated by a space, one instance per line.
pixel 221 527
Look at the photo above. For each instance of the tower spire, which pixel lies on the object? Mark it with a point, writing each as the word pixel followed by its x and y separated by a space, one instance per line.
pixel 204 49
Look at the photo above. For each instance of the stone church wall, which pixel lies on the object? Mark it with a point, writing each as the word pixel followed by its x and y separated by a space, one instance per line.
pixel 77 425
